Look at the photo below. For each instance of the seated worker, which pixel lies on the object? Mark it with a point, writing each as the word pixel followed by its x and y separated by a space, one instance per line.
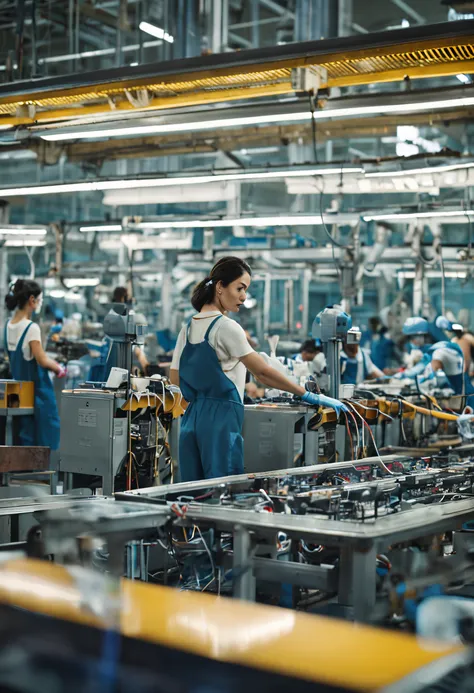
pixel 120 295
pixel 442 356
pixel 357 366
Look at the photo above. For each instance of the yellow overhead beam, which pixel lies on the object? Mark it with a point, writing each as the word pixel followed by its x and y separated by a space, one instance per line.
pixel 157 103
pixel 434 51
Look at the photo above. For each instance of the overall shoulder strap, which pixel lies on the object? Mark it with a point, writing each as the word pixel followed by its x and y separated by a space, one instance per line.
pixel 22 338
pixel 5 335
pixel 186 334
pixel 208 331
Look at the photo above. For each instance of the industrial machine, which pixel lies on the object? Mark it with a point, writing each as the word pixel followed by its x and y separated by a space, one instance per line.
pixel 113 437
pixel 332 326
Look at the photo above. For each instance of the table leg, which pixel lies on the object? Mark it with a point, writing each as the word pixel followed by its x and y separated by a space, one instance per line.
pixel 244 580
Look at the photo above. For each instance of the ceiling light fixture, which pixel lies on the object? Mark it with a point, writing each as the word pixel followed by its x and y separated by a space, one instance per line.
pixel 30 243
pixel 421 171
pixel 290 220
pixel 19 231
pixel 100 228
pixel 156 31
pixel 419 215
pixel 285 117
pixel 72 282
pixel 124 184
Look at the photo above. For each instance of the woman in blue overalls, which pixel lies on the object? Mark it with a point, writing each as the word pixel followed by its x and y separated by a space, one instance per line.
pixel 210 362
pixel 22 339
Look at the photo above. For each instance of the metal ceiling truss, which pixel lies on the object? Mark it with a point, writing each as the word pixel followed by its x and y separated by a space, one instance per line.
pixel 419 52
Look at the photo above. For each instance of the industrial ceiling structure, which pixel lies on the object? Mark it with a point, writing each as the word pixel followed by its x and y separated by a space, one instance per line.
pixel 132 130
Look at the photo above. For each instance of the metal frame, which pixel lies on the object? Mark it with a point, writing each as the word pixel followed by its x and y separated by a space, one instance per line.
pixel 160 492
pixel 354 580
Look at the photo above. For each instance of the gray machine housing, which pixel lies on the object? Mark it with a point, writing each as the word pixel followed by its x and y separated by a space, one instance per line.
pixel 93 434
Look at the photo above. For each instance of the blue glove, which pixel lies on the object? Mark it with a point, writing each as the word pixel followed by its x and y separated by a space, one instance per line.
pixel 323 401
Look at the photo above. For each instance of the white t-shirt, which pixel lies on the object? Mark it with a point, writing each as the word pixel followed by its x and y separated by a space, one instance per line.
pixel 14 332
pixel 226 337
pixel 453 362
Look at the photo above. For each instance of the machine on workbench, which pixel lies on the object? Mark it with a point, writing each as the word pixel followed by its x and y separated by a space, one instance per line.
pixel 113 437
pixel 383 414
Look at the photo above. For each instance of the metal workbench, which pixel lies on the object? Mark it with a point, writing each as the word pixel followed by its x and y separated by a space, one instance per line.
pixel 354 580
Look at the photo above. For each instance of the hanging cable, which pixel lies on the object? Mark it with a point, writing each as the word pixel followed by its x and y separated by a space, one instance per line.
pixel 312 100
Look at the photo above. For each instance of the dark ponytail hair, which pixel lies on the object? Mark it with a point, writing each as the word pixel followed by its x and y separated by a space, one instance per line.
pixel 20 293
pixel 226 270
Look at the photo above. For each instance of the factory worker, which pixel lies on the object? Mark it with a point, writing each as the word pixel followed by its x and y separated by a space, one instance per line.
pixel 459 336
pixel 121 295
pixel 378 342
pixel 357 366
pixel 442 356
pixel 308 350
pixel 209 364
pixel 29 362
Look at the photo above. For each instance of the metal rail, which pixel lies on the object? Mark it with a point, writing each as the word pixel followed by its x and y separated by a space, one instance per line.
pixel 418 52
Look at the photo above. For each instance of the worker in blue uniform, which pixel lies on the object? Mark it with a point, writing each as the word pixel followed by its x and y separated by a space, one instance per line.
pixel 209 364
pixel 357 365
pixel 379 344
pixel 442 356
pixel 308 351
pixel 29 362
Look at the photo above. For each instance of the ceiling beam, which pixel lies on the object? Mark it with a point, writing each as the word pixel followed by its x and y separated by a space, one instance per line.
pixel 278 9
pixel 419 19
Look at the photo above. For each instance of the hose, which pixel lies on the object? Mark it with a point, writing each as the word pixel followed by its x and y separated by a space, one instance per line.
pixel 431 412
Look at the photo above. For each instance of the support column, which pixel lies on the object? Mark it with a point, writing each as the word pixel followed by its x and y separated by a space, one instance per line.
pixel 166 290
pixel 187 41
pixel 316 19
pixel 243 580
pixel 254 17
pixel 357 582
pixel 418 289
pixel 344 19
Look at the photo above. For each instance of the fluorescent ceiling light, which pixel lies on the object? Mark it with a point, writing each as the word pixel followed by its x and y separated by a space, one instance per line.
pixel 465 79
pixel 290 220
pixel 419 215
pixel 124 184
pixel 433 274
pixel 18 231
pixel 57 293
pixel 285 117
pixel 155 31
pixel 71 282
pixel 421 171
pixel 31 243
pixel 102 227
